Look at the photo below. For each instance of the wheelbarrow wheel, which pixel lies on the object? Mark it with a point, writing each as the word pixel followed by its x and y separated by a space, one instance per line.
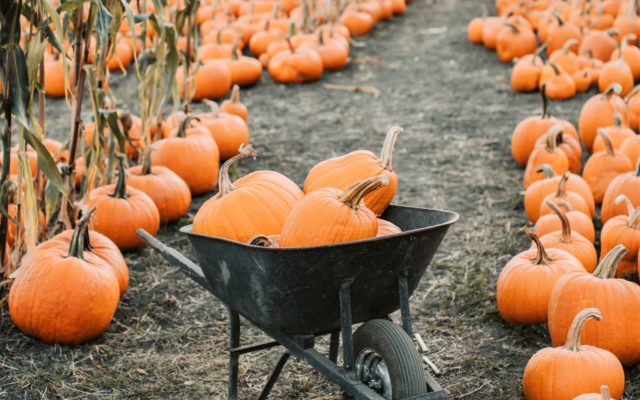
pixel 387 361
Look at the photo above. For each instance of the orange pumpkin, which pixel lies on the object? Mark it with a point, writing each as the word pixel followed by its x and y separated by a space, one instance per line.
pixel 579 221
pixel 296 65
pixel 212 80
pixel 619 72
pixel 599 112
pixel 631 148
pixel 557 84
pixel 570 146
pixel 358 22
pixel 548 154
pixel 600 44
pixel 257 204
pixel 562 373
pixel 344 171
pixel 618 299
pixel 560 34
pixel 576 200
pixel 625 230
pixel 602 167
pixel 570 241
pixel 630 56
pixel 386 228
pixel 345 217
pixel 121 209
pixel 617 133
pixel 627 184
pixel 244 70
pixel 64 295
pixel 633 108
pixel 525 283
pixel 525 75
pixel 229 131
pixel 514 42
pixel 234 106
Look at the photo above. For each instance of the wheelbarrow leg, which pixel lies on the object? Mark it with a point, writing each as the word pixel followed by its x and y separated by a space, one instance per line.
pixel 334 346
pixel 234 357
pixel 274 376
pixel 346 323
pixel 405 311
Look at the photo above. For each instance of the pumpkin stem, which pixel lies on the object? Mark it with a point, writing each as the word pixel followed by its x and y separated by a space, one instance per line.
pixel 262 241
pixel 386 155
pixel 605 393
pixel 637 173
pixel 513 27
pixel 568 44
pixel 609 263
pixel 186 122
pixel 213 106
pixel 291 48
pixel 617 120
pixel 545 102
pixel 234 49
pixel 556 69
pixel 80 237
pixel 566 225
pixel 352 196
pixel 235 95
pixel 120 191
pixel 224 182
pixel 630 207
pixel 553 136
pixel 542 258
pixel 613 89
pixel 146 162
pixel 538 52
pixel 548 171
pixel 607 142
pixel 573 336
pixel 561 203
pixel 561 190
pixel 633 92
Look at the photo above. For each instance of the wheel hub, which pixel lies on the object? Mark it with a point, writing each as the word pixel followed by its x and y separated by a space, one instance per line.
pixel 371 370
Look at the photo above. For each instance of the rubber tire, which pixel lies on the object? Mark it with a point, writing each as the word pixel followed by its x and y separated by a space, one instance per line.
pixel 399 354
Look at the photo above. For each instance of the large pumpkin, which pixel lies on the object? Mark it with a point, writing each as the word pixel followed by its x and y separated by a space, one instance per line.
pixel 330 215
pixel 618 300
pixel 257 204
pixel 525 283
pixel 64 295
pixel 121 209
pixel 562 373
pixel 342 172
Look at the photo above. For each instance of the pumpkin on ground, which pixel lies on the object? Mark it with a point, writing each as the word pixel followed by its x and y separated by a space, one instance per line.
pixel 579 221
pixel 342 172
pixel 618 299
pixel 525 283
pixel 64 295
pixel 233 105
pixel 549 154
pixel 562 373
pixel 623 229
pixel 121 209
pixel 256 204
pixel 627 184
pixel 228 130
pixel 599 112
pixel 575 200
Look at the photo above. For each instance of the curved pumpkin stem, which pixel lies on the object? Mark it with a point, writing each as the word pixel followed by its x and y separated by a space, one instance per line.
pixel 352 196
pixel 548 171
pixel 566 225
pixel 561 189
pixel 631 209
pixel 224 182
pixel 538 52
pixel 573 336
pixel 561 203
pixel 568 44
pixel 631 94
pixel 605 392
pixel 213 106
pixel 235 95
pixel 542 258
pixel 186 122
pixel 556 69
pixel 609 263
pixel 513 27
pixel 146 162
pixel 386 156
pixel 553 137
pixel 613 89
pixel 120 191
pixel 80 237
pixel 607 142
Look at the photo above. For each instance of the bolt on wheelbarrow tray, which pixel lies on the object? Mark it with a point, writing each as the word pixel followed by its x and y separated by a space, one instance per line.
pixel 297 294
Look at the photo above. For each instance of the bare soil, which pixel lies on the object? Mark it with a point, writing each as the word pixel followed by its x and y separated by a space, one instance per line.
pixel 168 338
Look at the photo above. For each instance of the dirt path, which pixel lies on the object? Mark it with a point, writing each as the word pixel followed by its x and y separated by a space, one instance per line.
pixel 168 337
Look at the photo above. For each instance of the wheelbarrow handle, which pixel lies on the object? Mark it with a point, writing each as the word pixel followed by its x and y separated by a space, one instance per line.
pixel 188 267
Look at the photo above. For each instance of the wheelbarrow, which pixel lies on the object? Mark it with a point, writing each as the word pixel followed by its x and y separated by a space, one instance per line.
pixel 296 295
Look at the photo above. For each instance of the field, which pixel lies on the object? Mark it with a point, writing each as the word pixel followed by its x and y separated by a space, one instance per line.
pixel 168 338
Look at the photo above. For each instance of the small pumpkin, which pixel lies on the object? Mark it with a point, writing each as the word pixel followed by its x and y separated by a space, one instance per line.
pixel 602 167
pixel 548 154
pixel 618 299
pixel 557 84
pixel 344 216
pixel 579 221
pixel 525 75
pixel 630 55
pixel 525 283
pixel 561 33
pixel 600 44
pixel 623 229
pixel 212 80
pixel 576 200
pixel 515 42
pixel 193 158
pixel 570 241
pixel 228 130
pixel 616 71
pixel 633 108
pixel 256 204
pixel 233 105
pixel 565 58
pixel 121 209
pixel 627 184
pixel 64 295
pixel 562 373
pixel 296 65
pixel 570 146
pixel 631 148
pixel 617 134
pixel 344 171
pixel 245 71
pixel 358 22
pixel 599 112
pixel 604 394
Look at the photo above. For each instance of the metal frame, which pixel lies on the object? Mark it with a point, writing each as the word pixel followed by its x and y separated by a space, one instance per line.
pixel 302 347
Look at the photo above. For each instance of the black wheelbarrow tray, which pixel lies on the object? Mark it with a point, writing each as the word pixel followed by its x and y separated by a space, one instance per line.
pixel 297 294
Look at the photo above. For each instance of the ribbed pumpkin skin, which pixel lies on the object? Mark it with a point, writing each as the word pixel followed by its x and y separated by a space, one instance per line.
pixel 541 155
pixel 579 247
pixel 342 172
pixel 599 112
pixel 118 219
pixel 617 231
pixel 535 194
pixel 321 219
pixel 194 158
pixel 102 247
pixel 386 228
pixel 229 132
pixel 524 287
pixel 167 190
pixel 602 168
pixel 627 184
pixel 258 205
pixel 561 374
pixel 619 302
pixel 580 223
pixel 60 299
pixel 529 130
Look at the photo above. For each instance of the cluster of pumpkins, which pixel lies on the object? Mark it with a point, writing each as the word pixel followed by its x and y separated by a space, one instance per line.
pixel 294 40
pixel 587 43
